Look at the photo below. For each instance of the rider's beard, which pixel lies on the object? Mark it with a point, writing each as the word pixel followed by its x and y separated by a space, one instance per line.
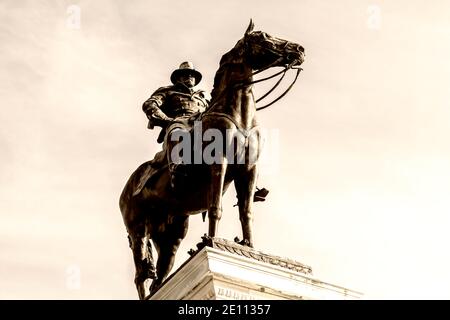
pixel 190 83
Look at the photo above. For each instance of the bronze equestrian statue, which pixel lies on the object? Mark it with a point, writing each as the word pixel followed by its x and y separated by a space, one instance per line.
pixel 154 207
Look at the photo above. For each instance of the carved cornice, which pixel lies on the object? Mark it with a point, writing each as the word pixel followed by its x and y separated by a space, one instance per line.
pixel 245 251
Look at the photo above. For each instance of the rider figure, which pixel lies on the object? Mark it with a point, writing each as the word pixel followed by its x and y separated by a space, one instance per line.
pixel 178 104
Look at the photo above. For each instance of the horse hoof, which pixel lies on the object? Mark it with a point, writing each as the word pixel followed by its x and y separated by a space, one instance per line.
pixel 243 242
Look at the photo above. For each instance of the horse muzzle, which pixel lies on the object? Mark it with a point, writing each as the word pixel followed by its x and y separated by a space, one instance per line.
pixel 295 54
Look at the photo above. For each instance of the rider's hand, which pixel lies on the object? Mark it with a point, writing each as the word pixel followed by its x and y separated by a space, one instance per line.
pixel 161 122
pixel 167 121
pixel 159 118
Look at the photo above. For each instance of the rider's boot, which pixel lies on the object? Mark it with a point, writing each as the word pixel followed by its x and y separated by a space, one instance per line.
pixel 177 166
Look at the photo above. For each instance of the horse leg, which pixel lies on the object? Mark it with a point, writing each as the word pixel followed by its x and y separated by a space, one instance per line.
pixel 245 184
pixel 167 245
pixel 215 196
pixel 143 260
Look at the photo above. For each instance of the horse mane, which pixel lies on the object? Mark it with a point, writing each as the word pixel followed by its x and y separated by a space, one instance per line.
pixel 227 58
pixel 219 75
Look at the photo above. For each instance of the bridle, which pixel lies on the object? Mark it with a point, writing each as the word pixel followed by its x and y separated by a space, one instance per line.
pixel 282 72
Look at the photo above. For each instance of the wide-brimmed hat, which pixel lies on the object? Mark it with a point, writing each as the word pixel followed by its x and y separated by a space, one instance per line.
pixel 186 68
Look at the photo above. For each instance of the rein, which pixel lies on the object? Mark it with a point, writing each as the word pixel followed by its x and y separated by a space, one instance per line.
pixel 283 72
pixel 276 85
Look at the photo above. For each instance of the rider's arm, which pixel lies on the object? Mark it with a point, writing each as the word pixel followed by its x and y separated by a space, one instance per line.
pixel 152 108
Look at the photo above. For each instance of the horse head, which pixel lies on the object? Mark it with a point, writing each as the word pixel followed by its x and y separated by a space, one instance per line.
pixel 261 50
pixel 258 51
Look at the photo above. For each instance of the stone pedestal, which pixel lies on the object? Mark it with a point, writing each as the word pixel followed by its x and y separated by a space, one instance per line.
pixel 224 270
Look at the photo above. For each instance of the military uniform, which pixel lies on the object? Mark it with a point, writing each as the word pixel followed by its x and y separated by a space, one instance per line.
pixel 178 103
pixel 175 107
pixel 172 103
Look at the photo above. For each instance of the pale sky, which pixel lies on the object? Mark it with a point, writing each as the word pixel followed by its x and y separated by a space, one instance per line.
pixel 360 192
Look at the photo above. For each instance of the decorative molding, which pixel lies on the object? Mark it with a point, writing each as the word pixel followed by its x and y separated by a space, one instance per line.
pixel 228 293
pixel 245 251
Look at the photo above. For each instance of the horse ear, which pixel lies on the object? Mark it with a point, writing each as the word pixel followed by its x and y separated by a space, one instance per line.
pixel 250 27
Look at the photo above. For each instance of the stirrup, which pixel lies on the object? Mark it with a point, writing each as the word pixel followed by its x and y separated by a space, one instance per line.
pixel 259 195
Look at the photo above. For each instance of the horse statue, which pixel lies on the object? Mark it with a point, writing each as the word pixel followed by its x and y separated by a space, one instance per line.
pixel 154 213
